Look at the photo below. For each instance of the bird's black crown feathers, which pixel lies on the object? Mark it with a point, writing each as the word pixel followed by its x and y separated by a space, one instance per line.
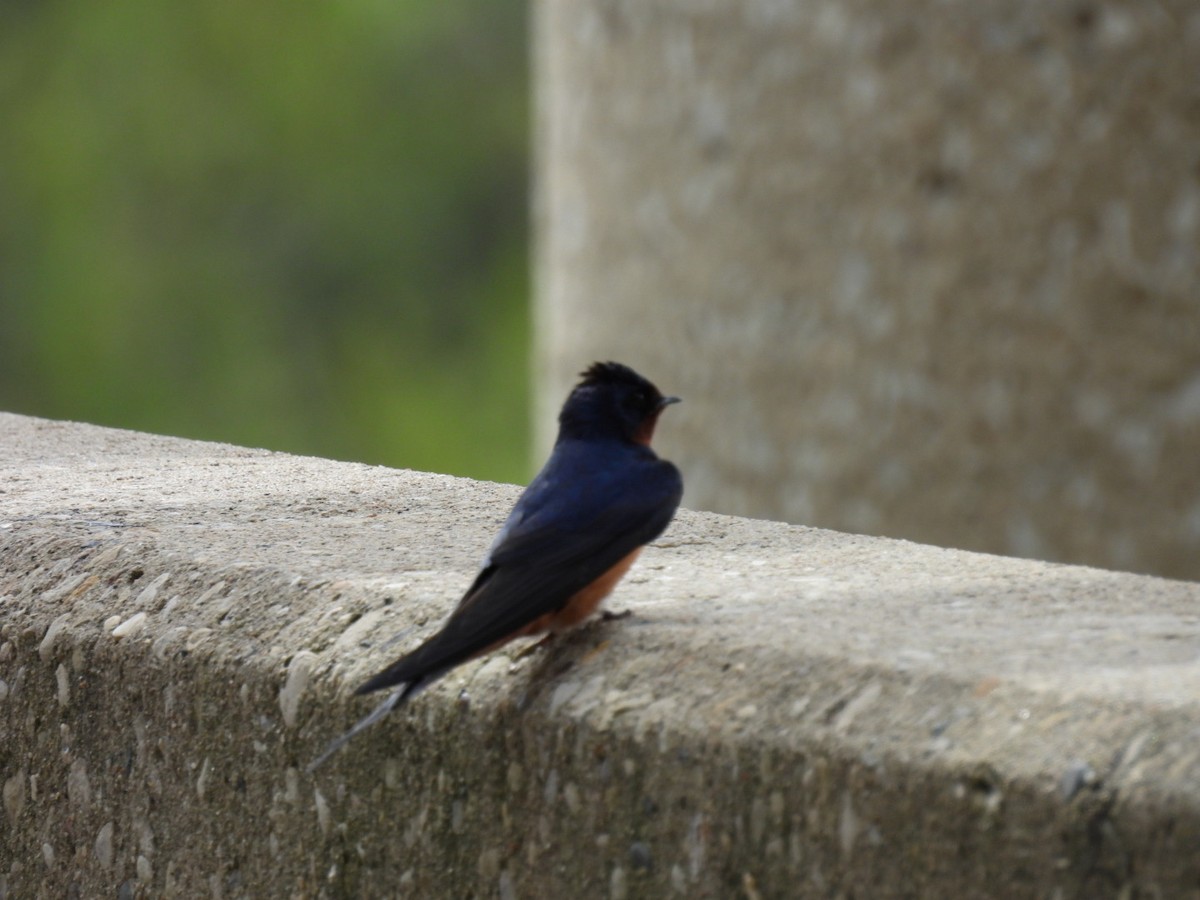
pixel 609 373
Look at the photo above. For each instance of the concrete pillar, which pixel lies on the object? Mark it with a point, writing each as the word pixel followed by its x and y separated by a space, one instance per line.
pixel 922 269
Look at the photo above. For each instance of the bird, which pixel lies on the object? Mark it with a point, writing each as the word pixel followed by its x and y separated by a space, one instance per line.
pixel 575 530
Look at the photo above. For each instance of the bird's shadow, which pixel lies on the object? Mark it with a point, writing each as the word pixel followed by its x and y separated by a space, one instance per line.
pixel 571 648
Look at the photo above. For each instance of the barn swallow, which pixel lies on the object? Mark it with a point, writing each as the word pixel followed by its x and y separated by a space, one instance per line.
pixel 575 530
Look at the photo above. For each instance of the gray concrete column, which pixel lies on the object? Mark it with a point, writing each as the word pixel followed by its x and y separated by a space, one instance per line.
pixel 922 269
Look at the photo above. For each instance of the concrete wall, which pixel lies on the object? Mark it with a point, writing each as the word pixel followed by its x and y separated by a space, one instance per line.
pixel 921 269
pixel 788 713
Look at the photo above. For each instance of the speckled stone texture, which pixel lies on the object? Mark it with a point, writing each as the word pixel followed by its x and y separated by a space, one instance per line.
pixel 923 269
pixel 788 713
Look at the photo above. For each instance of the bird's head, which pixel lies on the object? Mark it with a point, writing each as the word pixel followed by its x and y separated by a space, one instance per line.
pixel 612 401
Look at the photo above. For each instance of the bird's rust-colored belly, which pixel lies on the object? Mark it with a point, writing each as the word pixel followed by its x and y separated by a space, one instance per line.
pixel 583 603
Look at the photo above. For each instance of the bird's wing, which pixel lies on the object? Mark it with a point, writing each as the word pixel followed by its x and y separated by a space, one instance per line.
pixel 547 556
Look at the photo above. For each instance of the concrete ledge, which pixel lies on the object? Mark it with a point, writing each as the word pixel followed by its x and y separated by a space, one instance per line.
pixel 790 712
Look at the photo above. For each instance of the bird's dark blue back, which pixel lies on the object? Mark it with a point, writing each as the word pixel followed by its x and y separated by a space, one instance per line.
pixel 584 483
pixel 593 503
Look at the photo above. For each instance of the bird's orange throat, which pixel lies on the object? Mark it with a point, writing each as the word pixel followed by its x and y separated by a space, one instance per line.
pixel 645 431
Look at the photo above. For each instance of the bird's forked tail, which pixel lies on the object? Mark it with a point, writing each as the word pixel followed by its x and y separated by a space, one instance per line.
pixel 394 699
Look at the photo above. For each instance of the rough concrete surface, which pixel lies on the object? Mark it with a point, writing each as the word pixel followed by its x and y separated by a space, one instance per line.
pixel 919 269
pixel 789 712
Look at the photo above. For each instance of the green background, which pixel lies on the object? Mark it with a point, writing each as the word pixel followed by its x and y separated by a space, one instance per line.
pixel 295 226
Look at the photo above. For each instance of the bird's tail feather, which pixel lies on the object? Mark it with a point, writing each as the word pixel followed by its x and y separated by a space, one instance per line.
pixel 394 699
pixel 402 693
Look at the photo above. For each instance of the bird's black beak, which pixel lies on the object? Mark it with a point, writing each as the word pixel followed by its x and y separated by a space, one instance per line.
pixel 667 401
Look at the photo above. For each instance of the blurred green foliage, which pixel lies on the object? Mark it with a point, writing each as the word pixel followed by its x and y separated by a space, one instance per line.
pixel 285 225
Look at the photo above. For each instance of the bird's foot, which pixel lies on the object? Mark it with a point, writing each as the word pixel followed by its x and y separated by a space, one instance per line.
pixel 607 615
pixel 532 648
